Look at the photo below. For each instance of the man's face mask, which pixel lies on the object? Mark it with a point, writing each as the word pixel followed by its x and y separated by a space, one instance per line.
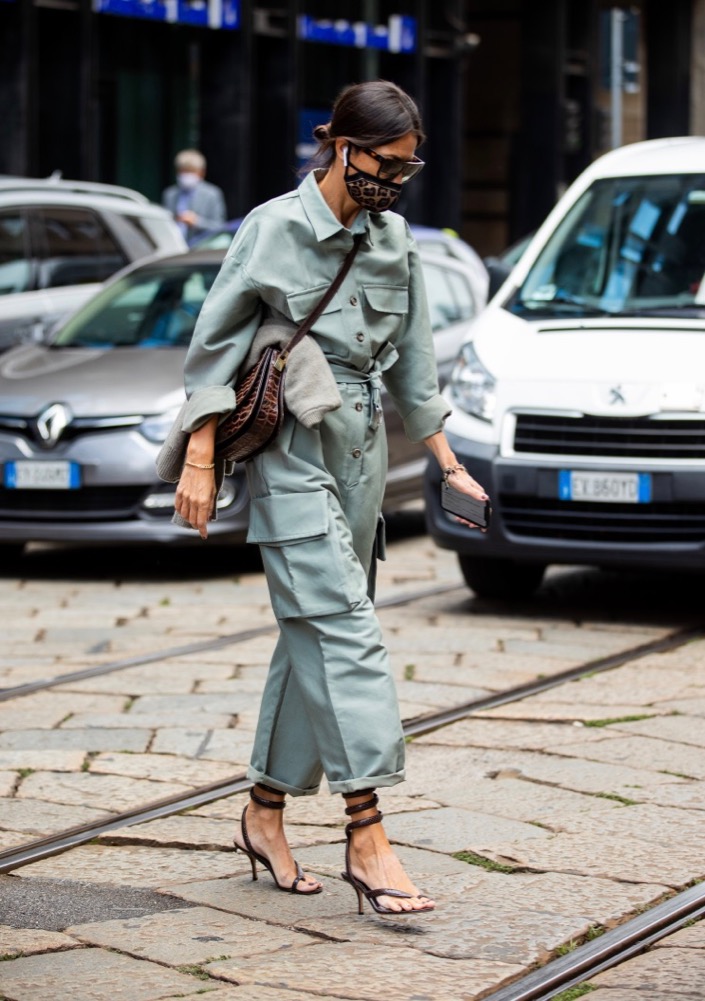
pixel 187 180
pixel 373 193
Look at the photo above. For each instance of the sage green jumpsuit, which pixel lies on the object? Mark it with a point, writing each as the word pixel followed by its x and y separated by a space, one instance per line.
pixel 329 704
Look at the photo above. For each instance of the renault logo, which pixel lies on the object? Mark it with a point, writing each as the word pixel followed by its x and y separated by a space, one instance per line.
pixel 52 423
pixel 616 395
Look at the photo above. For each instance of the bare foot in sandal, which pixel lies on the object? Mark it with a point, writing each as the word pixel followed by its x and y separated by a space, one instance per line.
pixel 371 866
pixel 262 824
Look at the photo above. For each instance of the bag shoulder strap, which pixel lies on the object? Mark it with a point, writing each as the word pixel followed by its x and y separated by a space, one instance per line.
pixel 323 302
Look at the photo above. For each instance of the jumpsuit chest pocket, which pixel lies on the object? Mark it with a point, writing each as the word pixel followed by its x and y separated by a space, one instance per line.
pixel 388 306
pixel 308 571
pixel 329 325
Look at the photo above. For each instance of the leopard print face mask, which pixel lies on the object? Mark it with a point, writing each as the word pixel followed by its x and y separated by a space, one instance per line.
pixel 367 190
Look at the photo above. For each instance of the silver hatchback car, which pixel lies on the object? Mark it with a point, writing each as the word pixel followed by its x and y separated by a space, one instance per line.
pixel 82 417
pixel 60 239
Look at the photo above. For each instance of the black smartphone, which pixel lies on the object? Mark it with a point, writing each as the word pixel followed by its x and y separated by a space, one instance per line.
pixel 456 502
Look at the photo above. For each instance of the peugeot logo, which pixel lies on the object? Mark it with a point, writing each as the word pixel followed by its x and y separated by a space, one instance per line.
pixel 52 423
pixel 616 395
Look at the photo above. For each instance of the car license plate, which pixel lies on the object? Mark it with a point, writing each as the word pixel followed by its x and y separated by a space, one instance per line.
pixel 26 474
pixel 608 488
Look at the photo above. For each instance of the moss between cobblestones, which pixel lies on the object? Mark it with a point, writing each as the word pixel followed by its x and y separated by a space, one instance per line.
pixel 614 796
pixel 573 993
pixel 484 863
pixel 617 719
pixel 593 932
pixel 194 971
pixel 197 969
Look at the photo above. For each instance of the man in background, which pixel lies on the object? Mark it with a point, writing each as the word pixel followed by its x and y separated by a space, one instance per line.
pixel 197 206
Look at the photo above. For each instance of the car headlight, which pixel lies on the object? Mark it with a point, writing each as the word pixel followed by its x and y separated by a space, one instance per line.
pixel 472 386
pixel 156 429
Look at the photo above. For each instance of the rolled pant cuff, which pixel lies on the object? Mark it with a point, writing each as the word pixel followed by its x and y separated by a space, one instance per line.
pixel 256 776
pixel 349 786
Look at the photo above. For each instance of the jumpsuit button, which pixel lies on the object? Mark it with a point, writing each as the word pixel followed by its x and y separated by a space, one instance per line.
pixel 356 453
pixel 353 300
pixel 360 336
pixel 358 406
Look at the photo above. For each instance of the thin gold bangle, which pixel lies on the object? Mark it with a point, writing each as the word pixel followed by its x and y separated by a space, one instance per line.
pixel 200 465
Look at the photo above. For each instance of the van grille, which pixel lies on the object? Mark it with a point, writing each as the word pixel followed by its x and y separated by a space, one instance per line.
pixel 628 437
pixel 585 521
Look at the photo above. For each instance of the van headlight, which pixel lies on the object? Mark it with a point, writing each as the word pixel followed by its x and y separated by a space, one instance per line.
pixel 156 429
pixel 472 386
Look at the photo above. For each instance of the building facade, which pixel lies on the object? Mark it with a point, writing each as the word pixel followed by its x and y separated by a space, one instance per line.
pixel 515 94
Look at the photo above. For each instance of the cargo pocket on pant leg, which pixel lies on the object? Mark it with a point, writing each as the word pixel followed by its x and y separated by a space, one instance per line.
pixel 310 570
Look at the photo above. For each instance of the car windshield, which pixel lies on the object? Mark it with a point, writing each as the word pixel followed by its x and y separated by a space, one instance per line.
pixel 152 307
pixel 633 245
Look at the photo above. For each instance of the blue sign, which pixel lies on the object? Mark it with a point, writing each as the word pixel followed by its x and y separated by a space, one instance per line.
pixel 398 35
pixel 219 14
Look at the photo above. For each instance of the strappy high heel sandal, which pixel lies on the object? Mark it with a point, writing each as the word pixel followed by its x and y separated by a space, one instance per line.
pixel 255 857
pixel 362 889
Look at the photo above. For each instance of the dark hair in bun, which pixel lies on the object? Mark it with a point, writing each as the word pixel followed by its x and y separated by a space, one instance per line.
pixel 368 114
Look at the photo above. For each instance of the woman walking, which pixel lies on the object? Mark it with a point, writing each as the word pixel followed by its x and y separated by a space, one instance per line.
pixel 329 704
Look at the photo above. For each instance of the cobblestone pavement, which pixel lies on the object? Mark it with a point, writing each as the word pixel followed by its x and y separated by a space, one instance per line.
pixel 534 825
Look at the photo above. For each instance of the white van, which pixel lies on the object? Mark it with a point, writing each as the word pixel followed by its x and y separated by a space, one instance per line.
pixel 579 399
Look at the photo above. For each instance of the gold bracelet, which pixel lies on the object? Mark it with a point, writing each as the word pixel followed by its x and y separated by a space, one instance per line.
pixel 200 465
pixel 449 470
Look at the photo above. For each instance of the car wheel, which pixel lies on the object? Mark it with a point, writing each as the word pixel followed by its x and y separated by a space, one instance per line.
pixel 500 578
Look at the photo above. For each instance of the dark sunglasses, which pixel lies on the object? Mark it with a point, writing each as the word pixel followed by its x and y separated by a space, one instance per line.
pixel 390 167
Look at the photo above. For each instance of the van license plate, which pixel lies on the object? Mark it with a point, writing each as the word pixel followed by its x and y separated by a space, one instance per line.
pixel 609 488
pixel 28 475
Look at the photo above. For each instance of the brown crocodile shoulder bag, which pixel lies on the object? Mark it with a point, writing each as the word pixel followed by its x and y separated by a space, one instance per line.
pixel 259 412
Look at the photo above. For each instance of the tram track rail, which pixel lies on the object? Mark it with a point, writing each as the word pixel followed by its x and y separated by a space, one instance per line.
pixel 611 949
pixel 34 851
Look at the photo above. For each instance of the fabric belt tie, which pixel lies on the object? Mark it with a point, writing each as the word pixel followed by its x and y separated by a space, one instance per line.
pixel 372 380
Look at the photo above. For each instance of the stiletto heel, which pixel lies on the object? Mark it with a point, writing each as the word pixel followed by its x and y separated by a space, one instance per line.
pixel 361 888
pixel 252 863
pixel 255 856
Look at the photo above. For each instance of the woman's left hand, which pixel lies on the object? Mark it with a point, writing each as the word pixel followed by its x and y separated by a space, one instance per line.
pixel 455 473
pixel 461 480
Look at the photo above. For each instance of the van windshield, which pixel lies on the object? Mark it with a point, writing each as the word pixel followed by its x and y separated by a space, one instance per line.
pixel 629 245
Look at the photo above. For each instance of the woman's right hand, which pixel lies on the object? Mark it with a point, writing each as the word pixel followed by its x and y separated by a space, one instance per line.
pixel 195 497
pixel 196 493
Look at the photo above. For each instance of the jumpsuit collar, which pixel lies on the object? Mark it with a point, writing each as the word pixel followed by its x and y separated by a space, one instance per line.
pixel 322 219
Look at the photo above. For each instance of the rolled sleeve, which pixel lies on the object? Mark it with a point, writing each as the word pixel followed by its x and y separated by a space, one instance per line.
pixel 206 402
pixel 426 420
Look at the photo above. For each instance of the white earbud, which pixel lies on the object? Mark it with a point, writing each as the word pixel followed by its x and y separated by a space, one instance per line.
pixel 344 151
